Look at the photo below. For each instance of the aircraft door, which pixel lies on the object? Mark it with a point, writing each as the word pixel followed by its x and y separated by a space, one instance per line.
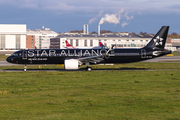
pixel 24 54
pixel 143 53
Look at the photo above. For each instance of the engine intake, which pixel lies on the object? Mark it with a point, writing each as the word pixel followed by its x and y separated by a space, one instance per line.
pixel 71 64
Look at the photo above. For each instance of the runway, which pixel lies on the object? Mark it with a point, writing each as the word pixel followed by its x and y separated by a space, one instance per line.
pixel 63 70
pixel 5 63
pixel 164 59
pixel 7 52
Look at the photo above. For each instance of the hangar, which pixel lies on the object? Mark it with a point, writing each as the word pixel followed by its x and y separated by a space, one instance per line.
pixel 12 36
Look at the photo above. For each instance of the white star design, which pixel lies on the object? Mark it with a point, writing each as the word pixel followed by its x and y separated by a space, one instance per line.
pixel 158 41
pixel 161 39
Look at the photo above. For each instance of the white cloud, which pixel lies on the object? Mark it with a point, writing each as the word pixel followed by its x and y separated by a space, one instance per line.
pixel 124 24
pixel 128 17
pixel 112 18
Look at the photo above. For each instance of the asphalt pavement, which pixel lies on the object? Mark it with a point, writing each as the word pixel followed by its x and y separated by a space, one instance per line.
pixel 164 59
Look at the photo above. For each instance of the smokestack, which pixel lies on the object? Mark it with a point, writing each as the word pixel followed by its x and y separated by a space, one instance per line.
pixel 86 29
pixel 99 30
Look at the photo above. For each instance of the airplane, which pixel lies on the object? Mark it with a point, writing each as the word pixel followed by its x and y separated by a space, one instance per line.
pixel 73 58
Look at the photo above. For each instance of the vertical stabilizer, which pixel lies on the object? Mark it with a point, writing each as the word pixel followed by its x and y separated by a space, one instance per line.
pixel 159 40
pixel 68 45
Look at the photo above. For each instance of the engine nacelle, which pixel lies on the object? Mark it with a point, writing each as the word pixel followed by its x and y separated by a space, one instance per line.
pixel 71 64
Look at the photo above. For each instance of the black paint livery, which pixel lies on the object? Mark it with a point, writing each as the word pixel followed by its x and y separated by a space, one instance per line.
pixel 73 58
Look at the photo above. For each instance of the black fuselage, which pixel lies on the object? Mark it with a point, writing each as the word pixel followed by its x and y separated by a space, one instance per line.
pixel 57 56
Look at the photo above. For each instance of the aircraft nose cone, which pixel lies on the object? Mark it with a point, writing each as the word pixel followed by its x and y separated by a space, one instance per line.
pixel 8 59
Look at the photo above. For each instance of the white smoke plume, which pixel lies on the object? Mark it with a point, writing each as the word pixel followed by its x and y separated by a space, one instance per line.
pixel 112 18
pixel 124 24
pixel 95 18
pixel 115 18
pixel 127 17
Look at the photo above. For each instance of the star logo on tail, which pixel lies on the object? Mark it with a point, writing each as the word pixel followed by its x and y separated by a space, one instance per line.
pixel 158 41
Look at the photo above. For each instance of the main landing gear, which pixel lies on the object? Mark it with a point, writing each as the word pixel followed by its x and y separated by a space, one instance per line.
pixel 88 68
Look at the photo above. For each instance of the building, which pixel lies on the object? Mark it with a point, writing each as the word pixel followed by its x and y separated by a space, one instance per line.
pixel 30 41
pixel 175 40
pixel 12 36
pixel 120 40
pixel 86 40
pixel 92 40
pixel 175 43
pixel 42 37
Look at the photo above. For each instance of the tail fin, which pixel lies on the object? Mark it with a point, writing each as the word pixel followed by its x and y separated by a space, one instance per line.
pixel 159 40
pixel 67 44
pixel 100 44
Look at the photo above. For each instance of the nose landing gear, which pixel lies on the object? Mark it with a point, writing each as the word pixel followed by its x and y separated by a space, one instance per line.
pixel 25 67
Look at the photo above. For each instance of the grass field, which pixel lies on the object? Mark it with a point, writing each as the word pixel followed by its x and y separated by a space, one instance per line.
pixel 113 93
pixel 80 95
pixel 176 53
pixel 3 57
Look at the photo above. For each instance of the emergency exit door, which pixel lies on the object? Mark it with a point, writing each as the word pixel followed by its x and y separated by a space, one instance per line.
pixel 24 54
pixel 143 53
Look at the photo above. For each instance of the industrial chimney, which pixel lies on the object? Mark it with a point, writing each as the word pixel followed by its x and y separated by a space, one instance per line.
pixel 86 29
pixel 99 30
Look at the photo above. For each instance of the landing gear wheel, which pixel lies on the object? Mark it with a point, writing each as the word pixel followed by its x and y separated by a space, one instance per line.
pixel 25 67
pixel 89 68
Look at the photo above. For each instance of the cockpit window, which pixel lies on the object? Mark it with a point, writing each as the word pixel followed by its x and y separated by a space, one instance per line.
pixel 15 54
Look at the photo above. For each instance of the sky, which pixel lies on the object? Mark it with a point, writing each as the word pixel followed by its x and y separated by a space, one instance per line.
pixel 114 15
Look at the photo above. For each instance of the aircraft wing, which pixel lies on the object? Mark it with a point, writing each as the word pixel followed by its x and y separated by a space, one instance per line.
pixel 95 59
pixel 92 59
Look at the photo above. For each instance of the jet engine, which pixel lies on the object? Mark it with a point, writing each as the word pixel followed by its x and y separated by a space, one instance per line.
pixel 71 64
